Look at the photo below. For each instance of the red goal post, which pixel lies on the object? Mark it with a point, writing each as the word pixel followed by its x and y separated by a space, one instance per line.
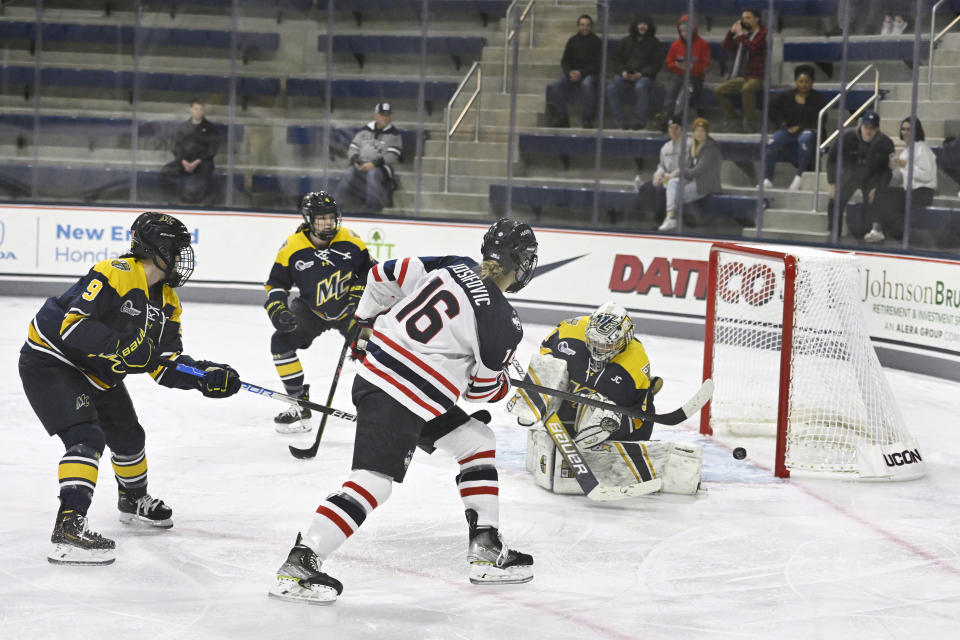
pixel 787 347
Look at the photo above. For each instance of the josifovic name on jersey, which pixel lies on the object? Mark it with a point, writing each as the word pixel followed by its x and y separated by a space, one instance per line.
pixel 471 281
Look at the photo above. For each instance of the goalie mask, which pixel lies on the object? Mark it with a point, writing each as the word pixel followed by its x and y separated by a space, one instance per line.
pixel 608 333
pixel 322 214
pixel 166 241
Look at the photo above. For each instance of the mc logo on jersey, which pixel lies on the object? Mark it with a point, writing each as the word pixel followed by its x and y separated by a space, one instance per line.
pixel 333 288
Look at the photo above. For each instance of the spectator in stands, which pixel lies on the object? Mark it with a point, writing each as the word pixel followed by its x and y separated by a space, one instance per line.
pixel 189 177
pixel 581 67
pixel 701 176
pixel 894 12
pixel 700 56
pixel 635 66
pixel 374 152
pixel 894 197
pixel 748 38
pixel 795 113
pixel 866 166
pixel 652 194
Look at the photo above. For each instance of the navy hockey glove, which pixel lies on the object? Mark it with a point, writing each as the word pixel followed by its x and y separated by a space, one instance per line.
pixel 280 315
pixel 220 381
pixel 361 334
pixel 136 354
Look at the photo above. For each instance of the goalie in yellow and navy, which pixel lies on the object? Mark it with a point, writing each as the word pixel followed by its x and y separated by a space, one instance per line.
pixel 328 264
pixel 598 356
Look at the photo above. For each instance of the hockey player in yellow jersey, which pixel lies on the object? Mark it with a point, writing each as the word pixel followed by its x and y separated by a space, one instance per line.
pixel 328 265
pixel 598 356
pixel 604 357
pixel 119 319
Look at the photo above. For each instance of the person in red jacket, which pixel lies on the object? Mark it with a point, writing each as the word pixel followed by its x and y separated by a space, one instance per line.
pixel 676 66
pixel 747 39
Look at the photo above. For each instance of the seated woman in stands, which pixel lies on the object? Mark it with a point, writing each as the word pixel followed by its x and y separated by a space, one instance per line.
pixel 895 197
pixel 795 114
pixel 701 175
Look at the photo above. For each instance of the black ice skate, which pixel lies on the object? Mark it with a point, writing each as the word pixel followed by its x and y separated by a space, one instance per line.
pixel 491 562
pixel 295 419
pixel 73 543
pixel 145 510
pixel 299 579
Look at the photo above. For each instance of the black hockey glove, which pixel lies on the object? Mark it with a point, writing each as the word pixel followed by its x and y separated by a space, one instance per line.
pixel 221 380
pixel 280 315
pixel 361 334
pixel 136 354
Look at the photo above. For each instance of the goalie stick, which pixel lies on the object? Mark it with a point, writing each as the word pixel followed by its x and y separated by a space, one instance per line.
pixel 693 405
pixel 584 475
pixel 261 391
pixel 311 451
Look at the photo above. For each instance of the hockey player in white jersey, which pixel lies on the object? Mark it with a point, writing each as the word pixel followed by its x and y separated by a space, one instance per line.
pixel 436 329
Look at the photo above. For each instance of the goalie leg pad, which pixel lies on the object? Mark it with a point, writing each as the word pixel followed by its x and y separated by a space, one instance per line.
pixel 682 471
pixel 529 407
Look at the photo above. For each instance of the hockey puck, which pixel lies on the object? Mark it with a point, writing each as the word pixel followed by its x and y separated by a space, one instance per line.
pixel 739 453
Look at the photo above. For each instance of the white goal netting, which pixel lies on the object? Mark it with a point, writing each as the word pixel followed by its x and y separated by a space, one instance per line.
pixel 841 416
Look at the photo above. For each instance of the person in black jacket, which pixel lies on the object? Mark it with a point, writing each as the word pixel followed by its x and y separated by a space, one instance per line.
pixel 866 166
pixel 189 177
pixel 638 59
pixel 581 66
pixel 795 113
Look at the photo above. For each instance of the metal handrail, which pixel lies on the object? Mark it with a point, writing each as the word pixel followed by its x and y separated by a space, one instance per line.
pixel 449 131
pixel 508 34
pixel 934 39
pixel 856 114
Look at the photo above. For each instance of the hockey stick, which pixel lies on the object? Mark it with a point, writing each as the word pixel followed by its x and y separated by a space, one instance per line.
pixel 261 391
pixel 693 405
pixel 584 475
pixel 311 451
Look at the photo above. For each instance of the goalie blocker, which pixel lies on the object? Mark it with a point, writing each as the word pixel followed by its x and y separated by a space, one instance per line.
pixel 667 466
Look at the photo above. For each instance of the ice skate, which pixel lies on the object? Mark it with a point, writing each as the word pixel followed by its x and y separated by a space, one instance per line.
pixel 145 510
pixel 299 579
pixel 491 562
pixel 74 544
pixel 295 419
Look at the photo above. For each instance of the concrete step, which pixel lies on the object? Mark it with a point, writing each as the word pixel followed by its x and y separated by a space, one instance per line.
pixel 464 146
pixel 788 235
pixel 475 203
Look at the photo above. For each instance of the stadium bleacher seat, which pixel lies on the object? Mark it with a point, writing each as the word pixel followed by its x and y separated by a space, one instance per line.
pixel 571 144
pixel 459 48
pixel 202 85
pixel 340 137
pixel 938 227
pixel 87 183
pixel 724 210
pixel 94 129
pixel 485 9
pixel 247 42
pixel 373 89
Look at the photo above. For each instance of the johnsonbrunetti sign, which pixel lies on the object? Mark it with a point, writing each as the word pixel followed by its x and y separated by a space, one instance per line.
pixel 913 301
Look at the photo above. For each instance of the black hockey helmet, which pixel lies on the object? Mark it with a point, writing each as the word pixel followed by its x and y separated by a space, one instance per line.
pixel 166 241
pixel 320 203
pixel 513 246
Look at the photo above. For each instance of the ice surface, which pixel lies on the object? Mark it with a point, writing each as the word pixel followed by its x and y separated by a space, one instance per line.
pixel 750 557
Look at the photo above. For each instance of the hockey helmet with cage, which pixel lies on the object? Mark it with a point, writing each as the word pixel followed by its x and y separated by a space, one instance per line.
pixel 165 240
pixel 320 204
pixel 609 332
pixel 513 246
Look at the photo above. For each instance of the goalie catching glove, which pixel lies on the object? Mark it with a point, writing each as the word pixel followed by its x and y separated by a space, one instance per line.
pixel 220 381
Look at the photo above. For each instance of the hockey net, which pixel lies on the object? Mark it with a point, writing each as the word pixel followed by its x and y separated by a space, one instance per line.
pixel 787 347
